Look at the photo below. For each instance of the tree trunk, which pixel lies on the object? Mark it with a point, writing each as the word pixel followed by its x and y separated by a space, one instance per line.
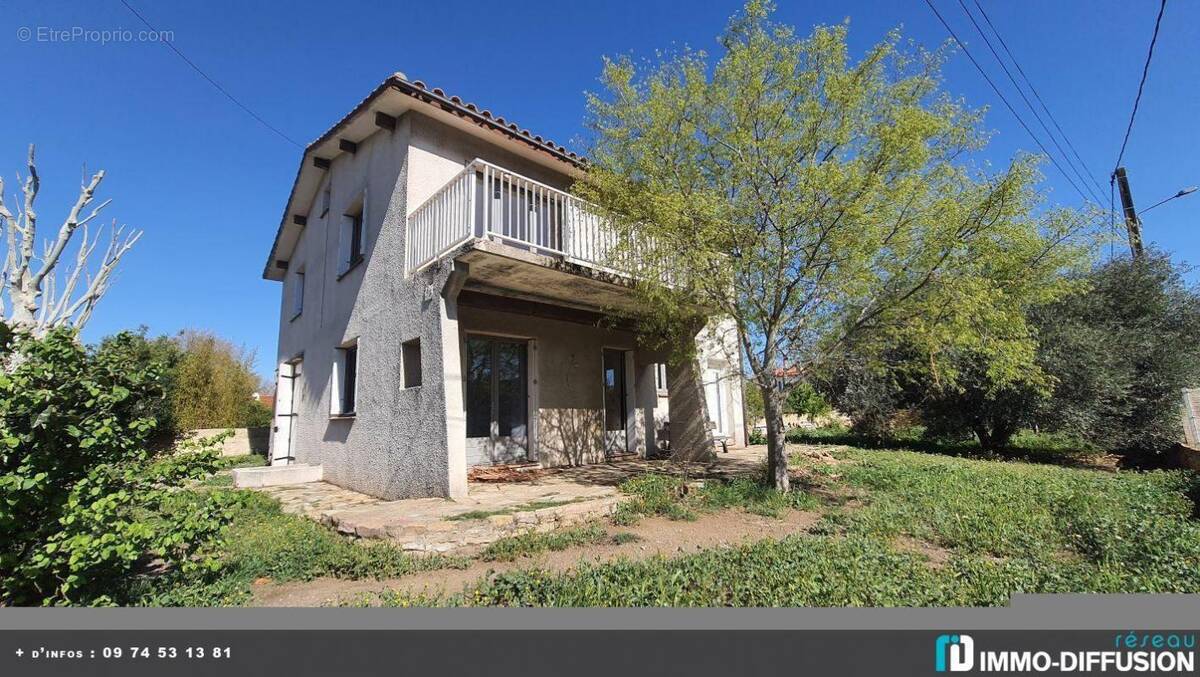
pixel 777 473
pixel 994 437
pixel 985 437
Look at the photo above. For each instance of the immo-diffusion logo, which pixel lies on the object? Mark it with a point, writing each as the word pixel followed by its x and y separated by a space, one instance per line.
pixel 1130 652
pixel 955 653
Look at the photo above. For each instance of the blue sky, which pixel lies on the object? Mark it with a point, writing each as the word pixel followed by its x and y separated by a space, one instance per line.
pixel 207 183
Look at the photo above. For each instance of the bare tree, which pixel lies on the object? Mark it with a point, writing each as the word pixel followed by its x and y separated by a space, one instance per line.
pixel 38 297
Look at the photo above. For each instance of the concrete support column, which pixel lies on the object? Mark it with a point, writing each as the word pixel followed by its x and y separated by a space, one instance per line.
pixel 691 438
pixel 456 416
pixel 645 397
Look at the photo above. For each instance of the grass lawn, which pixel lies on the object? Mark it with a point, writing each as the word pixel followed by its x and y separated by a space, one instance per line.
pixel 898 528
pixel 908 529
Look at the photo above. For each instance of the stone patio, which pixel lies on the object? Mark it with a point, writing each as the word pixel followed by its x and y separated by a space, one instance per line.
pixel 492 510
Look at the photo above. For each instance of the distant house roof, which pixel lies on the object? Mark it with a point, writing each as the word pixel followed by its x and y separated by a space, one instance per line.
pixel 393 97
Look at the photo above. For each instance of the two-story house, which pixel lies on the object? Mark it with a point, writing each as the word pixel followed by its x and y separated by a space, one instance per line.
pixel 447 303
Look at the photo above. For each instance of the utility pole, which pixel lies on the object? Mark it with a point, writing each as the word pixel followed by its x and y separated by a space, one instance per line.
pixel 1132 225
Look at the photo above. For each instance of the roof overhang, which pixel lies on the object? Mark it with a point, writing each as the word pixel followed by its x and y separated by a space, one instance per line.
pixel 380 110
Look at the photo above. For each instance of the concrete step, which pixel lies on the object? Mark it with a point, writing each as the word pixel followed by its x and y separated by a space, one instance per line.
pixel 276 475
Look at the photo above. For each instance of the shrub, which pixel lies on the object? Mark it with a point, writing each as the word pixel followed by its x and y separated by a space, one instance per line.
pixel 82 501
pixel 160 356
pixel 214 385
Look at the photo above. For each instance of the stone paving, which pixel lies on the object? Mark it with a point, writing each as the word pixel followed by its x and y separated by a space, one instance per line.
pixel 553 498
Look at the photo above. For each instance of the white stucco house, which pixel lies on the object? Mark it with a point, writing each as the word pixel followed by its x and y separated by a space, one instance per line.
pixel 446 303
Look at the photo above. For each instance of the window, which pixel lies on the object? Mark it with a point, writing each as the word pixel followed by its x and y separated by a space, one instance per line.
pixel 344 393
pixel 660 376
pixel 352 240
pixel 297 293
pixel 410 356
pixel 325 198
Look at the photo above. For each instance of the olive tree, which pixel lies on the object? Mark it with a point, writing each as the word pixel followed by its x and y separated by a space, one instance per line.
pixel 815 200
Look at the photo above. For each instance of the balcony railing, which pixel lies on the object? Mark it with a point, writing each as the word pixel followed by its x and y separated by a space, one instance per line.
pixel 486 201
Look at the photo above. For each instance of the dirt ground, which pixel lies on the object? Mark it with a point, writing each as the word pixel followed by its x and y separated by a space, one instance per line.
pixel 656 536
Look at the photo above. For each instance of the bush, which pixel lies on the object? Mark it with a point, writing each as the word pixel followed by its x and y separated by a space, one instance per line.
pixel 160 356
pixel 82 501
pixel 976 404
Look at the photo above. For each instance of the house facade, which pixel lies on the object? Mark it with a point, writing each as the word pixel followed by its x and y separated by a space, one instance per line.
pixel 447 303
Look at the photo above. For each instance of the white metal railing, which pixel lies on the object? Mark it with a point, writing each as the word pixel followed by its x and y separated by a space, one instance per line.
pixel 487 201
pixel 442 222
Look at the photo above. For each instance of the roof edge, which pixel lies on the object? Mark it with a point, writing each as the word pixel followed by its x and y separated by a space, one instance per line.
pixel 434 97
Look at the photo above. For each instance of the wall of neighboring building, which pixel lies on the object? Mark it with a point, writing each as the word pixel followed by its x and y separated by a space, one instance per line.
pixel 1191 417
pixel 395 445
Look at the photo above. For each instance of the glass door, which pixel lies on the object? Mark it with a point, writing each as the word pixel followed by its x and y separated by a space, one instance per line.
pixel 496 399
pixel 615 439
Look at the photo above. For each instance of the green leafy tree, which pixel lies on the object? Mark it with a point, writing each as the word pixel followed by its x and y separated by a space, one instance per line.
pixel 818 201
pixel 804 400
pixel 752 397
pixel 976 404
pixel 82 500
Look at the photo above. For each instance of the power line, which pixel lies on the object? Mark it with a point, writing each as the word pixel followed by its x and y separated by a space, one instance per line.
pixel 1028 103
pixel 1142 84
pixel 212 82
pixel 1036 95
pixel 1005 100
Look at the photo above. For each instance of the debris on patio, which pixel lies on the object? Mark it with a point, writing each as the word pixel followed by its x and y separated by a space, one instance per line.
pixel 504 473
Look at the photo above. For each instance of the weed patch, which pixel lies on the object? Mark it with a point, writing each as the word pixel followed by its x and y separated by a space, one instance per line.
pixel 524 545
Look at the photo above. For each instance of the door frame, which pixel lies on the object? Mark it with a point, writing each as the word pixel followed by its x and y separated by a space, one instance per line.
pixel 724 420
pixel 627 367
pixel 289 370
pixel 532 453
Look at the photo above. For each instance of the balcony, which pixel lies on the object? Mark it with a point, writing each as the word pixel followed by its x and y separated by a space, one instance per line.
pixel 488 202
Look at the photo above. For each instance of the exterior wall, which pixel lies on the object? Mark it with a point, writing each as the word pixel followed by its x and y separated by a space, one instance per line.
pixel 439 152
pixel 567 401
pixel 395 446
pixel 716 348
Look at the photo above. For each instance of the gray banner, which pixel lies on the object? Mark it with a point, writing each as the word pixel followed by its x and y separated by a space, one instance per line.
pixel 603 653
pixel 1042 612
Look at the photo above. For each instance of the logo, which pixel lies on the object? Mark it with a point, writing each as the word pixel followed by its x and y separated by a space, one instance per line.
pixel 955 653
